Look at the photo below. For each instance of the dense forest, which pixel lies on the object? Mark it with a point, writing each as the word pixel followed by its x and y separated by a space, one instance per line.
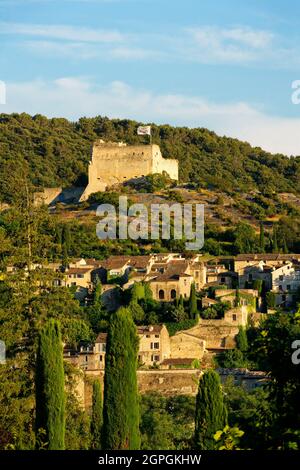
pixel 58 152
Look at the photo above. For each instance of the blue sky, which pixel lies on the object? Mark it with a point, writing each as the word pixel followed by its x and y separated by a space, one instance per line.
pixel 226 65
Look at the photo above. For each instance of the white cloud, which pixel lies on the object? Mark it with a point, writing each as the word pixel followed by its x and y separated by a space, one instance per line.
pixel 231 45
pixel 62 32
pixel 73 97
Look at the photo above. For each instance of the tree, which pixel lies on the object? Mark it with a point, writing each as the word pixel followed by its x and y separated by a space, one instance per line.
pixel 211 413
pixel 275 243
pixel 237 299
pixel 49 385
pixel 193 301
pixel 261 238
pixel 241 339
pixel 97 415
pixel 121 408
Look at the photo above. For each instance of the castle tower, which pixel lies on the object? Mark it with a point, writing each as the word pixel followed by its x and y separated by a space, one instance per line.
pixel 115 163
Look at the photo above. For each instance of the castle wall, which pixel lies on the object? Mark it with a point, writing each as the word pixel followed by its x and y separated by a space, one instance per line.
pixel 116 163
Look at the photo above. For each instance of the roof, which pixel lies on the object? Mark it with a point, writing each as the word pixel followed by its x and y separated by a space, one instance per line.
pixel 152 329
pixel 174 270
pixel 266 256
pixel 115 262
pixel 78 270
pixel 140 261
pixel 101 338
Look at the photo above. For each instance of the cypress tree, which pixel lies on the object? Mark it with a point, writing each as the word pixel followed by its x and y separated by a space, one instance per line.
pixel 121 407
pixel 97 416
pixel 275 244
pixel 261 238
pixel 193 302
pixel 211 413
pixel 181 303
pixel 241 339
pixel 284 246
pixel 49 387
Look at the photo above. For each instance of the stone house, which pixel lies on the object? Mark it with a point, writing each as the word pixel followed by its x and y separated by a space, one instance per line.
pixel 154 345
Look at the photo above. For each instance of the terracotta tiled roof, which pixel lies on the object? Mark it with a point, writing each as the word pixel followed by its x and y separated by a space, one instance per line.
pixel 116 262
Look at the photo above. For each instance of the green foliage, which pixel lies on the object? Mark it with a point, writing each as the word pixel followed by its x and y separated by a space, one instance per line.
pixel 245 239
pixel 167 422
pixel 261 238
pixel 104 198
pixel 211 413
pixel 137 312
pixel 216 311
pixel 121 408
pixel 241 339
pixel 231 359
pixel 97 416
pixel 182 325
pixel 58 152
pixel 49 384
pixel 137 291
pixel 271 299
pixel 193 309
pixel 228 438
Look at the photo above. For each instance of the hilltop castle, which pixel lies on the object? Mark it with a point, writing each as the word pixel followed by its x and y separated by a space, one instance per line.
pixel 114 163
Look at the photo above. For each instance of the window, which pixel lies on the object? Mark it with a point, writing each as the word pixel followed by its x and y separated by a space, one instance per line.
pixel 283 298
pixel 223 279
pixel 161 294
pixel 196 273
pixel 154 358
pixel 250 277
pixel 288 287
pixel 73 284
pixel 281 278
pixel 154 345
pixel 147 336
pixel 101 358
pixel 234 317
pixel 80 276
pixel 280 287
pixel 156 336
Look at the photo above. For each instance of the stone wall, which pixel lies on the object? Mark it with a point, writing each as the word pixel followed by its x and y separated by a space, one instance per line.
pixel 166 382
pixel 116 163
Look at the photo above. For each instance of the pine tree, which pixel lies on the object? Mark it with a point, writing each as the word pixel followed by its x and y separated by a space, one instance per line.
pixel 49 386
pixel 97 416
pixel 211 413
pixel 262 238
pixel 121 408
pixel 193 302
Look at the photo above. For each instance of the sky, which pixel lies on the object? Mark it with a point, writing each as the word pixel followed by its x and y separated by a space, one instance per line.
pixel 227 65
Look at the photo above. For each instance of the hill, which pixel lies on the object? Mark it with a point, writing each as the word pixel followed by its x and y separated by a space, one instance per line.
pixel 58 151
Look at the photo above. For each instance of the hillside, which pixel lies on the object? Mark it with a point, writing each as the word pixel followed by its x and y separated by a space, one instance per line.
pixel 58 152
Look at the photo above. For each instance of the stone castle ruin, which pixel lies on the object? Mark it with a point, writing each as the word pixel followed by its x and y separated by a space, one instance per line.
pixel 114 163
